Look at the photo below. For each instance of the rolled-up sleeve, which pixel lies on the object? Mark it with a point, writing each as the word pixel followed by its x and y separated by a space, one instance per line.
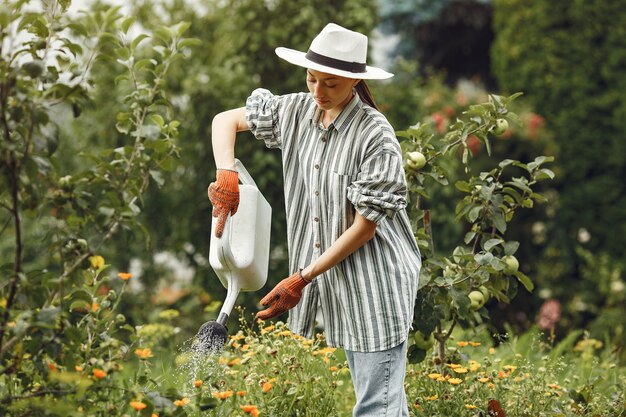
pixel 379 189
pixel 262 116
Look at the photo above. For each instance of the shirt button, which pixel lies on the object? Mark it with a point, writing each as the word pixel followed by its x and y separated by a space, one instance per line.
pixel 317 245
pixel 317 193
pixel 317 166
pixel 316 219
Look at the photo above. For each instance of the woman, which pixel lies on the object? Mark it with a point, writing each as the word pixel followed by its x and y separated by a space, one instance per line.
pixel 351 248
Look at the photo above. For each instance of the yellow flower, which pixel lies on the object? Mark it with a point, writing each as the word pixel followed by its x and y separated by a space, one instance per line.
pixel 432 397
pixel 94 307
pixel 285 333
pixel 182 402
pixel 470 406
pixel 434 376
pixel 460 370
pixel 138 405
pixel 492 351
pixel 509 368
pixel 99 373
pixel 462 344
pixel 554 386
pixel 455 381
pixel 234 362
pixel 125 275
pixel 474 344
pixel 324 351
pixel 197 383
pixel 78 368
pixel 473 366
pixel 154 415
pixel 333 369
pixel 483 380
pixel 267 386
pixel 453 365
pixel 96 261
pixel 144 353
pixel 223 395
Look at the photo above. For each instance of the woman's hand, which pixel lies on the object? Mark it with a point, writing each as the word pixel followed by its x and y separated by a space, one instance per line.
pixel 285 296
pixel 224 195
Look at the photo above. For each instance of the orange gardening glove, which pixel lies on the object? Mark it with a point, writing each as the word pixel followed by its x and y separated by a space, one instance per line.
pixel 285 296
pixel 224 195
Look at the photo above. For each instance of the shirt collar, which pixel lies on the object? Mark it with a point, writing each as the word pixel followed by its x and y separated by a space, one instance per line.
pixel 342 121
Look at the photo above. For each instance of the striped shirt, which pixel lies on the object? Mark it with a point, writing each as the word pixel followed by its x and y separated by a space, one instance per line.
pixel 367 299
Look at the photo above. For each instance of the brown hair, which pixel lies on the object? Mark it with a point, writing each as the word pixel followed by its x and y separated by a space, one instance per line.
pixel 365 94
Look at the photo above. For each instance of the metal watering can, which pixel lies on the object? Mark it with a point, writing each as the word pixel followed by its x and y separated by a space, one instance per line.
pixel 240 258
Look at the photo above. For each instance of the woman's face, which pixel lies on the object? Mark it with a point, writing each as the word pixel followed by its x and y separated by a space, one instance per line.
pixel 330 91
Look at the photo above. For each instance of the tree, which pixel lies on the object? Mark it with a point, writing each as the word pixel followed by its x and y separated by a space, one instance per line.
pixel 569 60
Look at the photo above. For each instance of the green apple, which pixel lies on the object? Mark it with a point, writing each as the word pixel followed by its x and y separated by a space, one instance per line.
pixel 512 264
pixel 501 126
pixel 416 160
pixel 477 299
pixel 485 292
pixel 421 341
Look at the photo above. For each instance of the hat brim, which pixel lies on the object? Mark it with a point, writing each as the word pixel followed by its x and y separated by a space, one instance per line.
pixel 299 58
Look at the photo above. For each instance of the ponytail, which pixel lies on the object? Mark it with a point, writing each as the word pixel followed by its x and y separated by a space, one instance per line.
pixel 365 94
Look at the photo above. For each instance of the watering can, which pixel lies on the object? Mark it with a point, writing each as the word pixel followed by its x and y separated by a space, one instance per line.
pixel 240 257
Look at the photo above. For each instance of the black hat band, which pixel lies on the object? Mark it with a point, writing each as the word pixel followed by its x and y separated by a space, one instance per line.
pixel 339 64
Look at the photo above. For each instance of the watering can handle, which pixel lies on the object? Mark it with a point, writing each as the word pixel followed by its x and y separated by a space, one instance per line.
pixel 223 243
pixel 244 175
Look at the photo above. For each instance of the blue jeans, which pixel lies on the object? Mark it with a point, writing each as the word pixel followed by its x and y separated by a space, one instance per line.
pixel 378 379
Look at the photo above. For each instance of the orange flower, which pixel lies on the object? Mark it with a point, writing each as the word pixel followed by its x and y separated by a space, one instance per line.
pixel 78 368
pixel 223 394
pixel 333 369
pixel 241 393
pixel 182 402
pixel 197 383
pixel 250 409
pixel 125 276
pixel 234 362
pixel 52 366
pixel 138 405
pixel 154 415
pixel 99 373
pixel 267 329
pixel 462 344
pixel 267 386
pixel 95 307
pixel 143 353
pixel 474 344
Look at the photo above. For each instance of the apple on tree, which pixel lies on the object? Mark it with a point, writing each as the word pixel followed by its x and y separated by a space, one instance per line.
pixel 416 160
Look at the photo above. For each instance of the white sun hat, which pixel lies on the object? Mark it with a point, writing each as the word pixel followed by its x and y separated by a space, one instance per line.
pixel 336 50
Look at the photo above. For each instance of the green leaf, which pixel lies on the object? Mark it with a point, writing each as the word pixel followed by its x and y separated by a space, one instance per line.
pixel 157 176
pixel 181 28
pixel 511 247
pixel 164 34
pixel 474 213
pixel 526 282
pixel 157 119
pixel 498 221
pixel 189 42
pixel 483 258
pixel 127 23
pixel 491 243
pixel 137 40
